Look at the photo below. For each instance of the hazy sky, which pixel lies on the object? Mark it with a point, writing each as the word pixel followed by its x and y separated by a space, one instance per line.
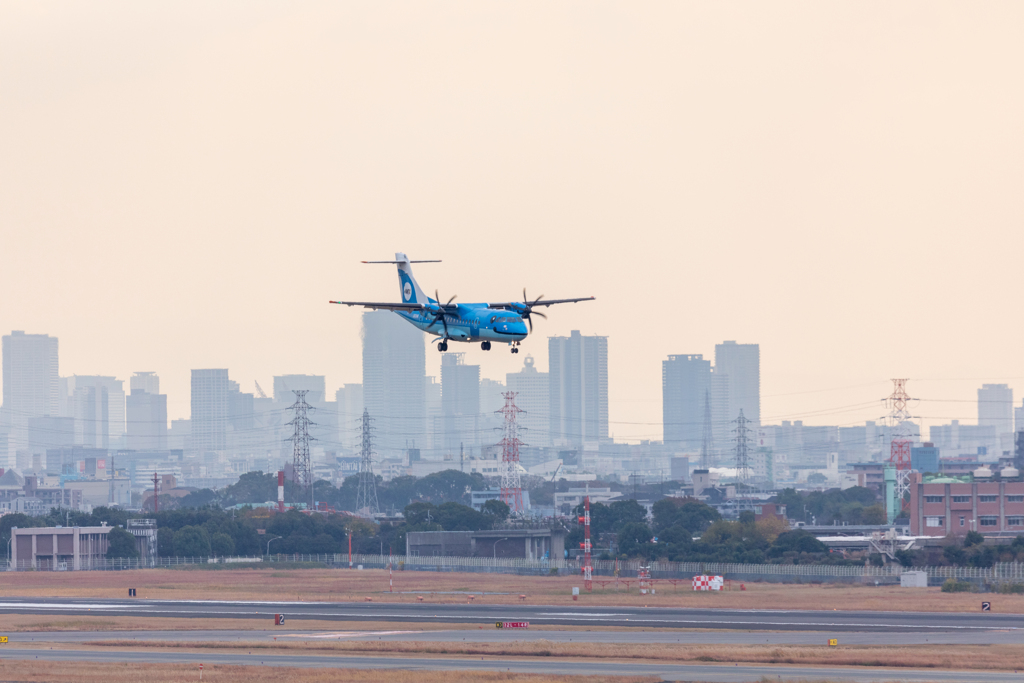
pixel 185 185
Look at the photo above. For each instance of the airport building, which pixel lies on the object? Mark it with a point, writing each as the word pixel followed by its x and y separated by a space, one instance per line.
pixel 71 548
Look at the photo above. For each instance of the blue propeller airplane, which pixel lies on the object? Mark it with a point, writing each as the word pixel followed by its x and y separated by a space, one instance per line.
pixel 484 323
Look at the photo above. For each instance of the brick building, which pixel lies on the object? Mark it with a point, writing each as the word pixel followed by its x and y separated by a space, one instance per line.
pixel 943 505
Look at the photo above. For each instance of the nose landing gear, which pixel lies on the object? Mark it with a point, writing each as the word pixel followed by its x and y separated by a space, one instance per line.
pixel 486 346
pixel 515 347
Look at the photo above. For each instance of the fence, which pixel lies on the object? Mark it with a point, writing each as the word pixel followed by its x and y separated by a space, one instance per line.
pixel 1000 572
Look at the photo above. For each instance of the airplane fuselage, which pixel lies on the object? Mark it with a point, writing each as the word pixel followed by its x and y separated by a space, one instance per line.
pixel 471 323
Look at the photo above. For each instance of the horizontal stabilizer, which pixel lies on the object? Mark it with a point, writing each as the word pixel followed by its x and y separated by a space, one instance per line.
pixel 400 262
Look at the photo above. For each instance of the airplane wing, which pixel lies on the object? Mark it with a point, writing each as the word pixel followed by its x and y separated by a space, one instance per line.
pixel 549 302
pixel 515 305
pixel 381 306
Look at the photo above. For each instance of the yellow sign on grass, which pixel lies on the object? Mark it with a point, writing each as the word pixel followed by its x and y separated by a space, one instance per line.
pixel 3 639
pixel 832 642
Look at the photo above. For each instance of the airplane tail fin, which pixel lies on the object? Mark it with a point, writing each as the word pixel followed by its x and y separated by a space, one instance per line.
pixel 411 291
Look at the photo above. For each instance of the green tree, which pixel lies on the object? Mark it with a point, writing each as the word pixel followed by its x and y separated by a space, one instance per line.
pixel 497 509
pixel 165 542
pixel 419 513
pixel 191 541
pixel 221 544
pixel 634 538
pixel 121 544
pixel 973 538
pixel 454 516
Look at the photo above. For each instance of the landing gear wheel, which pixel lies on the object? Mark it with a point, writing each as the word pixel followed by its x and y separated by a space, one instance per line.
pixel 515 349
pixel 442 346
pixel 486 346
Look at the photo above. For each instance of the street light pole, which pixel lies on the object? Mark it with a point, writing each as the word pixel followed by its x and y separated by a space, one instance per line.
pixel 496 546
pixel 269 541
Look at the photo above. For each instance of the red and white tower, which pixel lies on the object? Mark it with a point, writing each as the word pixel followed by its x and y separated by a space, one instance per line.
pixel 280 490
pixel 511 488
pixel 588 570
pixel 899 452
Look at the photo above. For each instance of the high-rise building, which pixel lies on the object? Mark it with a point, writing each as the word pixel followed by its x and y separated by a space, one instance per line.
pixel 533 397
pixel 394 367
pixel 98 405
pixel 722 436
pixel 210 410
pixel 145 381
pixel 147 413
pixel 349 401
pixel 578 388
pixel 31 381
pixel 995 407
pixel 742 364
pixel 460 402
pixel 685 388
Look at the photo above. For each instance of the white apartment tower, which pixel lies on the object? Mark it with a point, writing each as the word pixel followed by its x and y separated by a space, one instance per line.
pixel 578 388
pixel 741 363
pixel 995 407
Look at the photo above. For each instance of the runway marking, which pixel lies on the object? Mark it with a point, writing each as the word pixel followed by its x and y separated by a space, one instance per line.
pixel 346 634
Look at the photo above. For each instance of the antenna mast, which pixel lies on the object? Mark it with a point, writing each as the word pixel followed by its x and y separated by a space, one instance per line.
pixel 742 456
pixel 300 442
pixel 366 496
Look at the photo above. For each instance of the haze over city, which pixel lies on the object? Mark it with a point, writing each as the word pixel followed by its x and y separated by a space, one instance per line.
pixel 186 186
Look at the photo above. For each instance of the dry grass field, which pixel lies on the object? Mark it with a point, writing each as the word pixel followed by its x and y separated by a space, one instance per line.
pixel 24 671
pixel 981 657
pixel 437 587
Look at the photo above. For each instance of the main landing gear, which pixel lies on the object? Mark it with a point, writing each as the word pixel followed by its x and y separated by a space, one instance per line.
pixel 486 346
pixel 442 345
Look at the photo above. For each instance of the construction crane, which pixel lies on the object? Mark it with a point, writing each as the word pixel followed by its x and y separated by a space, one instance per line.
pixel 555 474
pixel 259 390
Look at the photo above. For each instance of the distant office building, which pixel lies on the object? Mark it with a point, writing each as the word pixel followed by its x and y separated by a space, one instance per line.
pixel 533 397
pixel 460 385
pixel 48 432
pixel 394 367
pixel 314 385
pixel 98 405
pixel 460 402
pixel 995 407
pixel 31 384
pixel 578 388
pixel 145 381
pixel 742 364
pixel 721 424
pixel 685 389
pixel 147 413
pixel 492 396
pixel 956 439
pixel 210 410
pixel 348 400
pixel 925 458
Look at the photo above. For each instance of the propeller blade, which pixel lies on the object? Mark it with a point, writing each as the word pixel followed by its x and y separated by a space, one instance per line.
pixel 529 321
pixel 538 313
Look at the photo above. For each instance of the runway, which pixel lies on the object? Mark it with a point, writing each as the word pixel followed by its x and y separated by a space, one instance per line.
pixel 667 672
pixel 492 635
pixel 484 615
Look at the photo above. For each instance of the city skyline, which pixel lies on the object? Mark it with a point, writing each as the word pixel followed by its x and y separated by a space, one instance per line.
pixel 80 397
pixel 818 206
